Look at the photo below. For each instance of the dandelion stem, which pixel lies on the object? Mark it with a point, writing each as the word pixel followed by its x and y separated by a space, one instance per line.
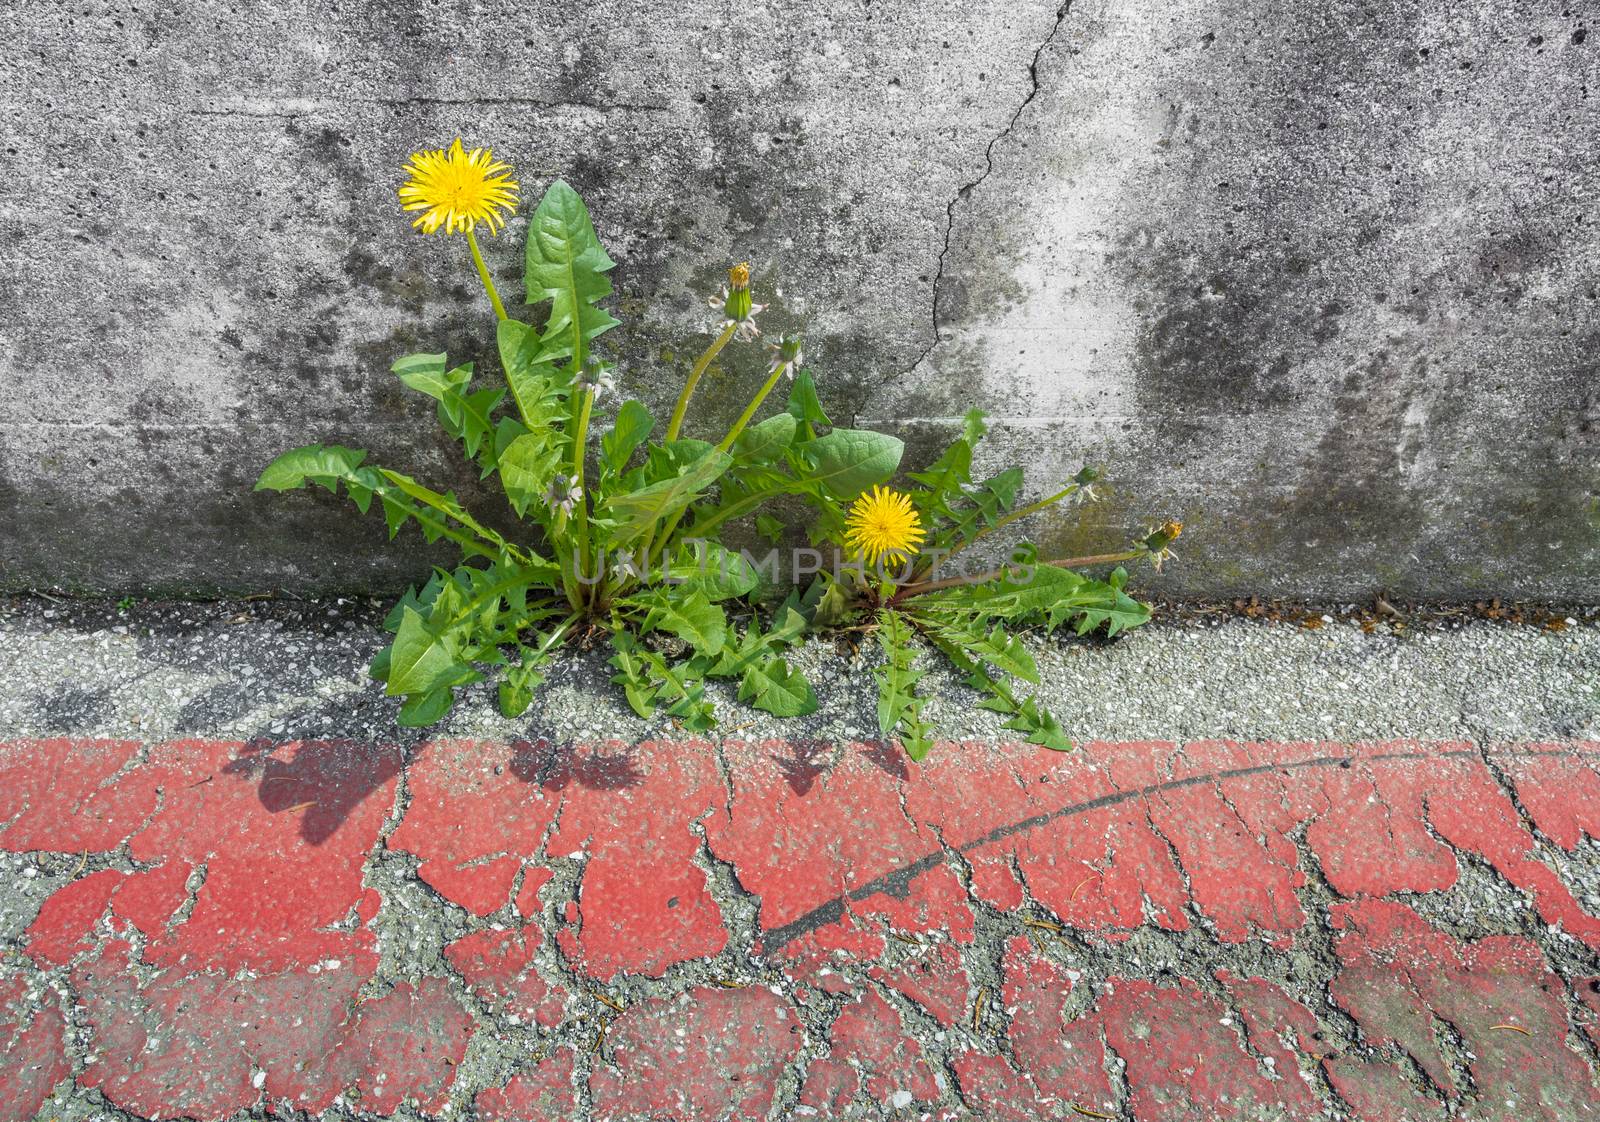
pixel 1003 522
pixel 580 441
pixel 483 272
pixel 750 410
pixel 694 379
pixel 920 587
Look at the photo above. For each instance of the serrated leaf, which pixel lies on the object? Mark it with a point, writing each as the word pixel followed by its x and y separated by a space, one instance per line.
pixel 680 687
pixel 755 645
pixel 1039 726
pixel 803 404
pixel 538 387
pixel 521 681
pixel 465 416
pixel 769 528
pixel 426 709
pixel 323 464
pixel 631 673
pixel 1027 717
pixel 427 373
pixel 689 616
pixel 422 658
pixel 710 569
pixel 567 266
pixel 777 688
pixel 899 707
pixel 526 468
pixel 996 647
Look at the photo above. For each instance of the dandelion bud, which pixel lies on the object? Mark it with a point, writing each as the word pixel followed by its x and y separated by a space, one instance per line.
pixel 738 309
pixel 1085 480
pixel 596 375
pixel 1158 542
pixel 736 305
pixel 787 353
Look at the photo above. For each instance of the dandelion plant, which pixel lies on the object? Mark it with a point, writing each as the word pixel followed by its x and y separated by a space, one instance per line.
pixel 619 536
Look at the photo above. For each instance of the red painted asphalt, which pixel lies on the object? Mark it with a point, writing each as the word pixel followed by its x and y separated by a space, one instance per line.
pixel 217 942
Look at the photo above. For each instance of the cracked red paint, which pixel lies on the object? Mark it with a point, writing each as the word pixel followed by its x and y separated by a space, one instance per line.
pixel 35 1059
pixel 873 1057
pixel 1400 977
pixel 540 1092
pixel 936 979
pixel 472 859
pixel 226 960
pixel 645 904
pixel 499 967
pixel 710 1053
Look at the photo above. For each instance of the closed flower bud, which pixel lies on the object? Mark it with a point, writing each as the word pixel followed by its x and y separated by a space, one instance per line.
pixel 787 353
pixel 596 376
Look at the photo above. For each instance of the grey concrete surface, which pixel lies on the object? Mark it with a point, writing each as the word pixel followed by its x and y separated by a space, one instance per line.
pixel 1317 278
pixel 297 670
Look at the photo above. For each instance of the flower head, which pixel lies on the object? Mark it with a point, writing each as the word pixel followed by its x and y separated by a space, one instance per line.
pixel 787 353
pixel 564 495
pixel 1086 480
pixel 1157 544
pixel 882 523
pixel 596 375
pixel 735 301
pixel 457 189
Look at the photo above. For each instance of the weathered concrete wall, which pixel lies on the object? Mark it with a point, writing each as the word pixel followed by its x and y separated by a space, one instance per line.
pixel 1317 278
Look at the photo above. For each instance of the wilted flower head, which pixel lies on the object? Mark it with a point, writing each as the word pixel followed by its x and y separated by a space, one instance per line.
pixel 456 189
pixel 596 375
pixel 735 301
pixel 787 353
pixel 564 495
pixel 1157 543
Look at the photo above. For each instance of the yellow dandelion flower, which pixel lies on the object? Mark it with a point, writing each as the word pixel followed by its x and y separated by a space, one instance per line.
pixel 457 189
pixel 883 523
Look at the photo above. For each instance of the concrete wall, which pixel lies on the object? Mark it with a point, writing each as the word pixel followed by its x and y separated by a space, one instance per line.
pixel 1317 278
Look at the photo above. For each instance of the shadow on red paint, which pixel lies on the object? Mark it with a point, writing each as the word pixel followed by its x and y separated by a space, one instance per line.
pixel 327 779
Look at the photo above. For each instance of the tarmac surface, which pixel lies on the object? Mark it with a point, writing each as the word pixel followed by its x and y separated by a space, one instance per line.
pixel 1291 872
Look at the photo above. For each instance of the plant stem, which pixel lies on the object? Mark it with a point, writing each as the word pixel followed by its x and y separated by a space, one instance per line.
pixel 919 588
pixel 694 379
pixel 580 513
pixel 1001 523
pixel 483 273
pixel 750 410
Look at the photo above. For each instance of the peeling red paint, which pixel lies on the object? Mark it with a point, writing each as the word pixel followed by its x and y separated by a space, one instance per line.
pixel 540 1092
pixel 711 1053
pixel 230 966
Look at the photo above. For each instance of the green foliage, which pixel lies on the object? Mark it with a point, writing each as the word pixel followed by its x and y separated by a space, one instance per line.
pixel 899 707
pixel 973 620
pixel 638 513
pixel 623 534
pixel 567 266
pixel 848 461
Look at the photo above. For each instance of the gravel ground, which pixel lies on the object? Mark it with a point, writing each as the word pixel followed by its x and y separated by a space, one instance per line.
pixel 297 669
